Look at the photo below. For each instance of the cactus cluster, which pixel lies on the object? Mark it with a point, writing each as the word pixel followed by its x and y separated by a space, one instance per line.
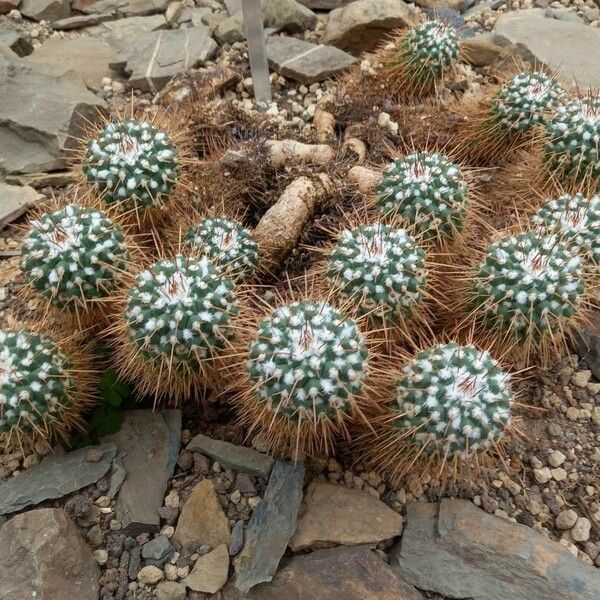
pixel 572 148
pixel 379 269
pixel 132 165
pixel 528 285
pixel 228 244
pixel 456 399
pixel 428 191
pixel 74 256
pixel 525 101
pixel 180 310
pixel 307 360
pixel 39 394
pixel 576 219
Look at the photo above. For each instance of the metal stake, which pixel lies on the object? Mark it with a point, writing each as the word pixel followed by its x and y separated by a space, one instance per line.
pixel 257 50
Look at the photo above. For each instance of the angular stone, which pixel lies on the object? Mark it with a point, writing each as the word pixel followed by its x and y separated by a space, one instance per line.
pixel 231 29
pixel 457 5
pixel 324 4
pixel 586 342
pixel 306 62
pixel 170 590
pixel 332 514
pixel 152 59
pixel 87 56
pixel 288 15
pixel 460 551
pixel 233 6
pixel 238 458
pixel 15 40
pixel 124 7
pixel 14 201
pixel 81 21
pixel 272 524
pixel 150 442
pixel 34 140
pixel 42 556
pixel 360 26
pixel 202 520
pixel 563 47
pixel 209 574
pixel 7 5
pixel 42 180
pixel 56 476
pixel 236 541
pixel 158 551
pixel 334 574
pixel 483 50
pixel 45 10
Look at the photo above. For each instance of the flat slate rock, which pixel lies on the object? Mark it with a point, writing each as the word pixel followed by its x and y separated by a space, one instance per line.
pixel 14 39
pixel 123 7
pixel 152 59
pixel 238 458
pixel 34 140
pixel 81 21
pixel 43 557
pixel 306 62
pixel 56 476
pixel 45 10
pixel 564 47
pixel 87 56
pixel 14 201
pixel 272 524
pixel 334 574
pixel 460 551
pixel 150 443
pixel 335 515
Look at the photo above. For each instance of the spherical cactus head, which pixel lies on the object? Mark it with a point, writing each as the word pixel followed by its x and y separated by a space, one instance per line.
pixel 380 269
pixel 132 165
pixel 180 311
pixel 525 101
pixel 228 244
pixel 576 219
pixel 74 256
pixel 429 50
pixel 456 399
pixel 37 388
pixel 572 147
pixel 528 285
pixel 427 191
pixel 308 361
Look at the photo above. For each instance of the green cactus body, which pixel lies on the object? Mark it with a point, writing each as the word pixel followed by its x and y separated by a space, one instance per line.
pixel 456 399
pixel 181 310
pixel 428 191
pixel 576 219
pixel 528 285
pixel 525 101
pixel 379 268
pixel 307 358
pixel 35 382
pixel 132 165
pixel 573 140
pixel 429 49
pixel 228 244
pixel 74 255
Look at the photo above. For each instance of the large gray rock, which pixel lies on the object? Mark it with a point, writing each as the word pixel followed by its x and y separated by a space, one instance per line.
pixel 306 62
pixel 238 458
pixel 288 15
pixel 118 32
pixel 457 550
pixel 89 57
pixel 332 514
pixel 14 39
pixel 42 114
pixel 152 59
pixel 335 574
pixel 56 476
pixel 272 524
pixel 360 26
pixel 586 342
pixel 562 46
pixel 150 443
pixel 14 201
pixel 43 557
pixel 45 10
pixel 124 7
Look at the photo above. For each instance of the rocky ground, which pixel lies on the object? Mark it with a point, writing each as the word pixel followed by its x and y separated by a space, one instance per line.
pixel 209 518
